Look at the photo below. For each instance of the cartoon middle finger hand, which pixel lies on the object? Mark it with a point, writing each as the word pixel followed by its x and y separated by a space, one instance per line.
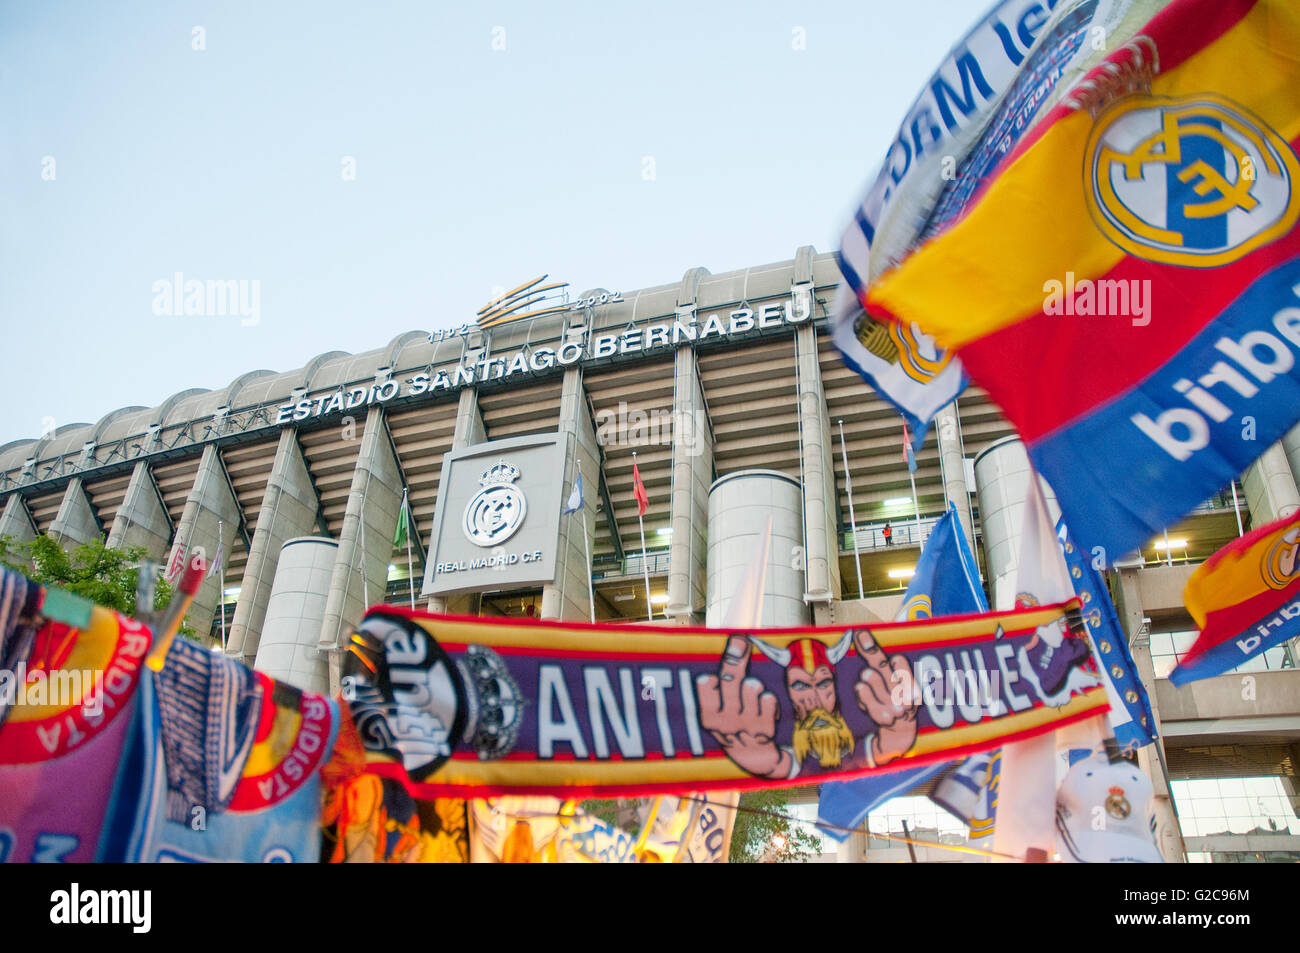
pixel 875 697
pixel 904 685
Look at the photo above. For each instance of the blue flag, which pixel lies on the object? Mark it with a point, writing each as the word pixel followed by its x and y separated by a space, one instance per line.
pixel 575 497
pixel 1130 710
pixel 946 582
pixel 970 792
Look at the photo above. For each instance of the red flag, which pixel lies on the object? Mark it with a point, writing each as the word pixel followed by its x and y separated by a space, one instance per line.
pixel 176 562
pixel 638 491
pixel 1245 599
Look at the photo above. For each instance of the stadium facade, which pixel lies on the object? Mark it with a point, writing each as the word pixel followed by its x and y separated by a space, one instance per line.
pixel 727 394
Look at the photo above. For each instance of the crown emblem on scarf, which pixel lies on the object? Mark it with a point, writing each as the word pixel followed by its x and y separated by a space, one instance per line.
pixel 496 704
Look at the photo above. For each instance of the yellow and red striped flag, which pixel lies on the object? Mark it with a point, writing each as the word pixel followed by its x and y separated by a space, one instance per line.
pixel 1126 284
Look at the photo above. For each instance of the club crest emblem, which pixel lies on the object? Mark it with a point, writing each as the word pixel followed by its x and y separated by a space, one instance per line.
pixel 1281 564
pixel 1194 180
pixel 497 511
pixel 1117 805
pixel 906 345
pixel 496 706
pixel 405 693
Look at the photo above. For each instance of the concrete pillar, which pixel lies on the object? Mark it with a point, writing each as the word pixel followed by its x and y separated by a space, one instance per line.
pixel 469 421
pixel 692 475
pixel 1128 605
pixel 1002 482
pixel 947 428
pixel 211 501
pixel 820 499
pixel 1291 445
pixel 289 509
pixel 469 431
pixel 16 522
pixel 854 848
pixel 289 647
pixel 142 518
pixel 1270 487
pixel 76 522
pixel 566 597
pixel 371 514
pixel 739 505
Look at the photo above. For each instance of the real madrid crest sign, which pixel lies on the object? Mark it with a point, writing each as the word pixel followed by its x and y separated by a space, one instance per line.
pixel 497 522
pixel 495 512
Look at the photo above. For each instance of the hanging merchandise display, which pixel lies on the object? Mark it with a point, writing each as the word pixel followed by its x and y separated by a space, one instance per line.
pixel 66 734
pixel 226 765
pixel 467 707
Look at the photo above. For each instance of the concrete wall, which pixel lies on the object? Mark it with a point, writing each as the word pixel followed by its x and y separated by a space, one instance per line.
pixel 289 646
pixel 211 502
pixel 739 505
pixel 864 611
pixel 1002 482
pixel 469 431
pixel 142 519
pixel 1270 487
pixel 1291 446
pixel 361 564
pixel 947 427
pixel 289 509
pixel 567 597
pixel 820 497
pixel 692 476
pixel 1160 588
pixel 16 522
pixel 76 522
pixel 1265 703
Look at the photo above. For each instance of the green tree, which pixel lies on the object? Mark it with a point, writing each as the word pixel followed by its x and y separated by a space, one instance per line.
pixel 766 833
pixel 105 576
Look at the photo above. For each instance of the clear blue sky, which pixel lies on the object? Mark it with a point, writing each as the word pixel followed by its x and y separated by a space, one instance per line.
pixel 475 168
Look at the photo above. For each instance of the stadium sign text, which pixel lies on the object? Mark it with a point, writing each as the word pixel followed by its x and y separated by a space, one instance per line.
pixel 532 360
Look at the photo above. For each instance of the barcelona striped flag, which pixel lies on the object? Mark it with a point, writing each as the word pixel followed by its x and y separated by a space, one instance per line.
pixel 1245 599
pixel 1127 285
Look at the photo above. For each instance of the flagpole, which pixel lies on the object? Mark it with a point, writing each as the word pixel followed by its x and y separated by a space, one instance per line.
pixel 853 520
pixel 221 580
pixel 916 505
pixel 406 516
pixel 645 568
pixel 586 545
pixel 1236 508
pixel 365 583
pixel 909 457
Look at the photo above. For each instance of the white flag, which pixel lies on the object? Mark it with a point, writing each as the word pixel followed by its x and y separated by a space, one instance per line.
pixel 1027 790
pixel 216 561
pixel 575 497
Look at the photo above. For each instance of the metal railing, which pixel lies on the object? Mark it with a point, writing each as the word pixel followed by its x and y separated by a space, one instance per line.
pixel 1223 501
pixel 656 560
pixel 903 533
